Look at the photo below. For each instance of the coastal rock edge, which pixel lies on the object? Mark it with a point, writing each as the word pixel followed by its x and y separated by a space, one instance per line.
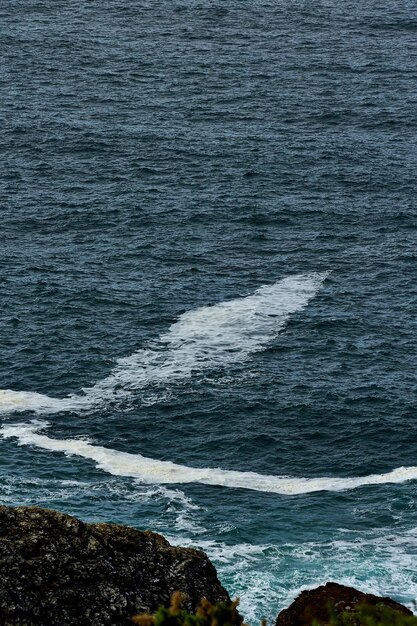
pixel 314 604
pixel 56 569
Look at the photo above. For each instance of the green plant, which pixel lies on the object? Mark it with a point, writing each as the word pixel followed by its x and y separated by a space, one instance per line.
pixel 207 614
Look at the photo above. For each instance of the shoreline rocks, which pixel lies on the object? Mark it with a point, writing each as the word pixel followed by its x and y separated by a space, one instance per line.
pixel 58 570
pixel 314 605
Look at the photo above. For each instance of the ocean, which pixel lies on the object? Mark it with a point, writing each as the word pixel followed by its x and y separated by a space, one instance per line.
pixel 209 281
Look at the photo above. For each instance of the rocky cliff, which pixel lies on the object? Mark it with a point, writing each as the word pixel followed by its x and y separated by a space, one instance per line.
pixel 55 569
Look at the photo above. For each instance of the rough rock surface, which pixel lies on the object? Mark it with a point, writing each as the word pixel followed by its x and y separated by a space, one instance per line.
pixel 314 604
pixel 55 569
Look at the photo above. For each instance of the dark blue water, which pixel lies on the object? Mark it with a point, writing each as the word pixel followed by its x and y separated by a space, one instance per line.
pixel 159 157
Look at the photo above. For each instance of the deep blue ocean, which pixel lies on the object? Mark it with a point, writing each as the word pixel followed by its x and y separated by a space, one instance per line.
pixel 209 280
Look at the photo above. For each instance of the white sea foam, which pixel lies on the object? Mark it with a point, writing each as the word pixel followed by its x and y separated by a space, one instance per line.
pixel 151 471
pixel 268 577
pixel 17 401
pixel 208 337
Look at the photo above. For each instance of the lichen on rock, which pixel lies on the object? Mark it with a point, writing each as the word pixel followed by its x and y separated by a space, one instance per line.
pixel 56 569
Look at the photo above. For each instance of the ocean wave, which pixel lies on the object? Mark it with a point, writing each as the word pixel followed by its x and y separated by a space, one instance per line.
pixel 207 337
pixel 153 471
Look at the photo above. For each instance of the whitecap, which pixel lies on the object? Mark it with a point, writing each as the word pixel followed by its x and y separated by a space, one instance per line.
pixel 207 337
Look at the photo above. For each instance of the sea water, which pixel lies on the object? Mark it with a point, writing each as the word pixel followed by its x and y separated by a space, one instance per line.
pixel 209 281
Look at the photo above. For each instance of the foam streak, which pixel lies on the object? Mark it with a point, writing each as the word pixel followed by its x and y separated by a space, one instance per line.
pixel 208 337
pixel 165 472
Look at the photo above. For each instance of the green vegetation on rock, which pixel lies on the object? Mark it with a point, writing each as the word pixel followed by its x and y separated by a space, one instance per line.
pixel 207 614
pixel 221 614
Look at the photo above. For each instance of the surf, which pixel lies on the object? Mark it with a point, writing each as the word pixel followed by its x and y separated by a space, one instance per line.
pixel 207 337
pixel 152 471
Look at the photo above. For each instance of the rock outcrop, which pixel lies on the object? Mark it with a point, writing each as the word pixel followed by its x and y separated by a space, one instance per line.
pixel 314 605
pixel 55 569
